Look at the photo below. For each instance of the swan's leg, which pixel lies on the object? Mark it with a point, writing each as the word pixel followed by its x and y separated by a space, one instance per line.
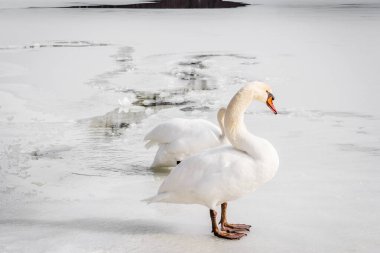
pixel 225 226
pixel 223 234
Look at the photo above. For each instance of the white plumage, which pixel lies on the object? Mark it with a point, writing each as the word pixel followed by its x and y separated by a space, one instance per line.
pixel 223 174
pixel 198 179
pixel 215 176
pixel 179 138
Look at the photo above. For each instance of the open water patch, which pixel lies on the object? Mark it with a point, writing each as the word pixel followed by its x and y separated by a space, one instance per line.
pixel 194 77
pixel 166 4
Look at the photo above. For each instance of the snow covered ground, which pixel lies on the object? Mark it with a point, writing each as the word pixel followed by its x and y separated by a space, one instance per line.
pixel 79 89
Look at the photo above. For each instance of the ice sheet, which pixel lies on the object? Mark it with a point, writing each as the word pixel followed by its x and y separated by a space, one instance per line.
pixel 80 88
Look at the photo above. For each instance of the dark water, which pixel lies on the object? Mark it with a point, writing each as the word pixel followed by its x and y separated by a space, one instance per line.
pixel 169 4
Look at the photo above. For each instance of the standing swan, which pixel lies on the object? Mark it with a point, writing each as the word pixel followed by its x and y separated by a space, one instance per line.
pixel 223 174
pixel 179 138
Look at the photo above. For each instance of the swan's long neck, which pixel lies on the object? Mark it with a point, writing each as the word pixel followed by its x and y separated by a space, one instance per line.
pixel 237 132
pixel 234 116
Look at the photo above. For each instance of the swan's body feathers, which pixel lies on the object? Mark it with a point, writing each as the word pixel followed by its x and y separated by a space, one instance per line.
pixel 223 173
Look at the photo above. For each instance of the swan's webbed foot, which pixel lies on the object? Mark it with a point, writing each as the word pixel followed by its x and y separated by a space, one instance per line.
pixel 178 162
pixel 228 235
pixel 233 235
pixel 225 226
pixel 241 228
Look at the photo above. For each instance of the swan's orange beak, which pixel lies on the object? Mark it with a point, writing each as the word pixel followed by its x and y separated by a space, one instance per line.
pixel 270 103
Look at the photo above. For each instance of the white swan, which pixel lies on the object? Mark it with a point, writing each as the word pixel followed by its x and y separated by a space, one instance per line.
pixel 222 174
pixel 179 138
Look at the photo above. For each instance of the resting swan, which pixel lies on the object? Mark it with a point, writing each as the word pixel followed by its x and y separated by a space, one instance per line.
pixel 223 174
pixel 179 138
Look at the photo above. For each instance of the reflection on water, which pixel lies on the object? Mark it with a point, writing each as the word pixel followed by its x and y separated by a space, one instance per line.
pixel 158 173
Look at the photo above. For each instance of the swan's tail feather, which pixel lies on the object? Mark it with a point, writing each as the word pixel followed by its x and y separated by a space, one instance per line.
pixel 157 198
pixel 150 144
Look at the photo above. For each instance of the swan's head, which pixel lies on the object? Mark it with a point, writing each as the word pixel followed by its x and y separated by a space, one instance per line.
pixel 263 92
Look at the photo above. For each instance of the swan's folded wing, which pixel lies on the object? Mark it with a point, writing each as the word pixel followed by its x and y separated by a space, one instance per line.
pixel 167 132
pixel 176 129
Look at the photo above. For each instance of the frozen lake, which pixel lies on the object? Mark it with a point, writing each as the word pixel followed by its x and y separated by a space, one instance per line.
pixel 79 89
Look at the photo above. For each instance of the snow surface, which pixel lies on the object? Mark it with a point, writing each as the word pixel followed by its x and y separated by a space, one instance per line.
pixel 80 88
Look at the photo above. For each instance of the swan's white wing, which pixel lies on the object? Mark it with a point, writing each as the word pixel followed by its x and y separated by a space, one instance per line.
pixel 174 129
pixel 210 178
pixel 198 136
pixel 180 138
pixel 167 131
